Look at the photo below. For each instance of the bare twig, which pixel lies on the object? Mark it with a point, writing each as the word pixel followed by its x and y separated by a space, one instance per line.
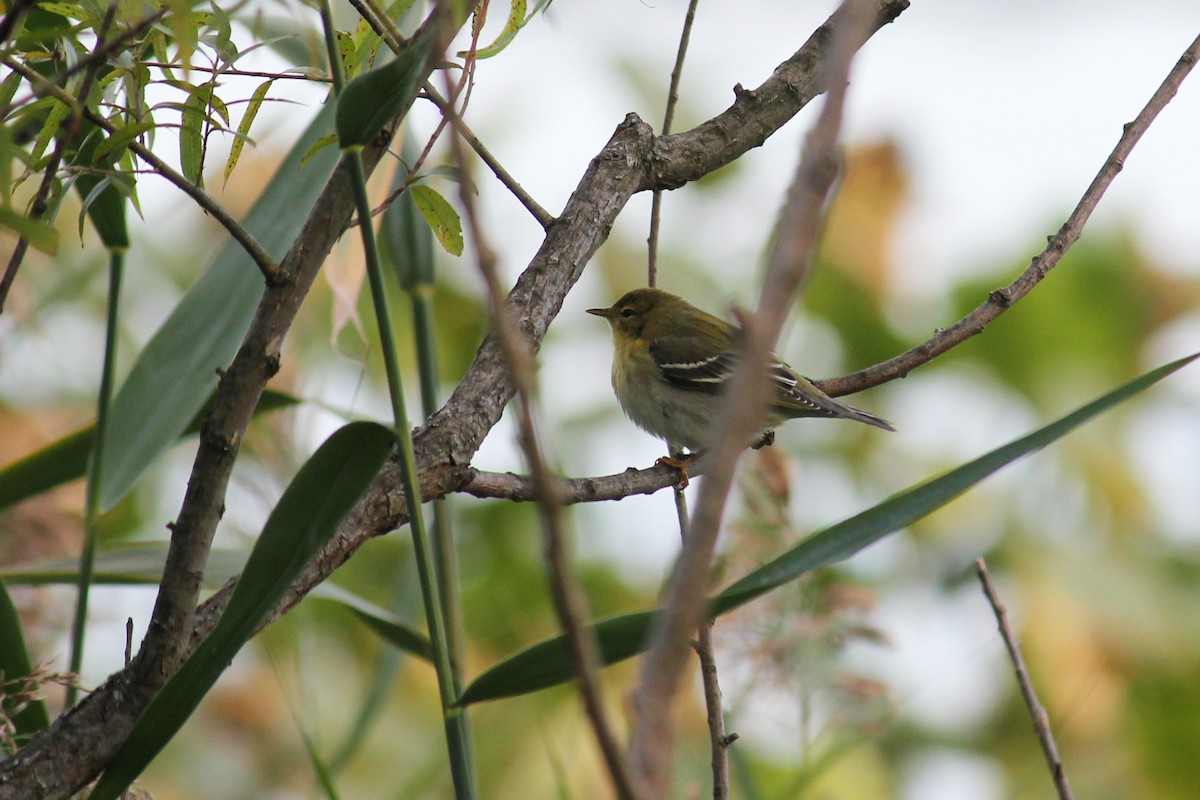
pixel 1041 720
pixel 1000 300
pixel 245 73
pixel 714 714
pixel 668 117
pixel 739 416
pixel 543 217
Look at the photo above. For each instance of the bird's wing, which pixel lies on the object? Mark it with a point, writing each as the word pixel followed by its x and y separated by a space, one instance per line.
pixel 685 365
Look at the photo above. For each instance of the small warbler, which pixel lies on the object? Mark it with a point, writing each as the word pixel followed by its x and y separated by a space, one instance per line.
pixel 671 361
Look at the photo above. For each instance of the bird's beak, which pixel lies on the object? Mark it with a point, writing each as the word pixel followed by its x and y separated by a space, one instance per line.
pixel 601 312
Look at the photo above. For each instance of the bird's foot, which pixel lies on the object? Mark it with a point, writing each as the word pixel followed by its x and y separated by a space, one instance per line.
pixel 766 440
pixel 680 463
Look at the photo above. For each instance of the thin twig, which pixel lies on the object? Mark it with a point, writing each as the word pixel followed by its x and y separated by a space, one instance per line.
pixel 266 265
pixel 543 217
pixel 714 714
pixel 739 415
pixel 668 117
pixel 1041 720
pixel 244 73
pixel 569 603
pixel 1000 300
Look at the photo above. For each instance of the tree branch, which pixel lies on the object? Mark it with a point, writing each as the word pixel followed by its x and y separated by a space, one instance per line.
pixel 1000 300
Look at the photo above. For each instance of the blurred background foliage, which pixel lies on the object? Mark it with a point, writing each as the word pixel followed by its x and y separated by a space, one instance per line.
pixel 880 678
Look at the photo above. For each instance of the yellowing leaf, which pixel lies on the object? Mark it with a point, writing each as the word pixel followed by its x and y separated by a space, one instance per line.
pixel 441 218
pixel 243 131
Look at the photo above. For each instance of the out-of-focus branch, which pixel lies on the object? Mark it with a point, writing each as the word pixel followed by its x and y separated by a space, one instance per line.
pixel 741 413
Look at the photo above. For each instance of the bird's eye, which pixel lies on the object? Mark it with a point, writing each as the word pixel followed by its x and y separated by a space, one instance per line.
pixel 627 313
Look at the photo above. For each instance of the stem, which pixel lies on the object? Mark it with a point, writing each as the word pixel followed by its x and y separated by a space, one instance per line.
pixel 453 719
pixel 91 527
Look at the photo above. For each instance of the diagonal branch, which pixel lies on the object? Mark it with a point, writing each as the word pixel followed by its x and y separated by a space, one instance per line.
pixel 1001 300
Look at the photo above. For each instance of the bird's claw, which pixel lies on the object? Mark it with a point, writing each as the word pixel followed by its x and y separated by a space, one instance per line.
pixel 680 464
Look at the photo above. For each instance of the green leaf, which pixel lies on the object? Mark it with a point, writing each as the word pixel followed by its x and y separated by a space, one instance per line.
pixel 104 205
pixel 309 513
pixel 125 564
pixel 177 371
pixel 441 218
pixel 65 459
pixel 40 234
pixel 547 664
pixel 120 139
pixel 389 627
pixel 191 138
pixel 243 131
pixel 318 146
pixel 28 716
pixel 58 113
pixel 373 99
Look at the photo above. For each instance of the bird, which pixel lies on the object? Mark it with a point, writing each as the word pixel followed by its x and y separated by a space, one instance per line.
pixel 671 361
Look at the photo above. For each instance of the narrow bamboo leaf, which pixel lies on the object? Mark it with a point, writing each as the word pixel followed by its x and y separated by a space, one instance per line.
pixel 40 234
pixel 373 99
pixel 308 514
pixel 318 146
pixel 177 370
pixel 118 140
pixel 191 138
pixel 58 112
pixel 546 663
pixel 441 218
pixel 104 204
pixel 28 715
pixel 389 627
pixel 549 663
pixel 243 131
pixel 126 564
pixel 65 459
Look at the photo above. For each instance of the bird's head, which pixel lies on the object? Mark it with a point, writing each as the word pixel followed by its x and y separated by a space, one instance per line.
pixel 640 313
